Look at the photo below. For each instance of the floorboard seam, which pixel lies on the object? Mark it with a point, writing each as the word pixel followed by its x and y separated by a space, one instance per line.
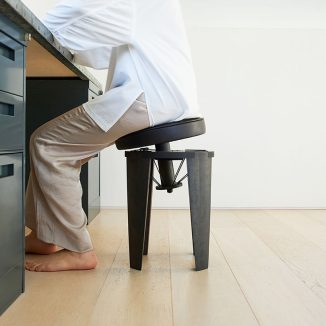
pixel 243 293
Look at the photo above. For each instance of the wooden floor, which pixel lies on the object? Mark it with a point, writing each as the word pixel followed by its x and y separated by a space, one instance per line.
pixel 267 267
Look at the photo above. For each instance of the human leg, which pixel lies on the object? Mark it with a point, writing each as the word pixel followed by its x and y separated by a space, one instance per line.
pixel 53 197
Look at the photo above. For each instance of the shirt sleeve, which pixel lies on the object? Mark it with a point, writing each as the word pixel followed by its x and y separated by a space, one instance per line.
pixel 90 29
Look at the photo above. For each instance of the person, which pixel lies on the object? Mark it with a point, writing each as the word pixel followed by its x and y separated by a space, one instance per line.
pixel 150 81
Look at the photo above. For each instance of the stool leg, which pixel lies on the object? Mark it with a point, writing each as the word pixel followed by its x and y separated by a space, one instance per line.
pixel 193 244
pixel 199 183
pixel 149 208
pixel 138 181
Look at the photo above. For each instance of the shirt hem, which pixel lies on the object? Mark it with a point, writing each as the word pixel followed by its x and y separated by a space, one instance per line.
pixel 97 119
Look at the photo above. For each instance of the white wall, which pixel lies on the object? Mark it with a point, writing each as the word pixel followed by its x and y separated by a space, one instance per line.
pixel 260 67
pixel 261 73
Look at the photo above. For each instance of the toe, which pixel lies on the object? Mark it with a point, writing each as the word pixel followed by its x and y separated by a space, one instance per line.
pixel 31 266
pixel 38 268
pixel 27 265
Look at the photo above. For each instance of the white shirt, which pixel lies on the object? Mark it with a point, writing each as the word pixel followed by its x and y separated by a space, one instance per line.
pixel 145 47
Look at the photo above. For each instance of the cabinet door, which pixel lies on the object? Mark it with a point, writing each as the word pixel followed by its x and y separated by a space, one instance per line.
pixel 93 179
pixel 11 65
pixel 91 95
pixel 11 228
pixel 93 187
pixel 12 122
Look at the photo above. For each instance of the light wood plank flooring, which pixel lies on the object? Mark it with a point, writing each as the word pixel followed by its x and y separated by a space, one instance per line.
pixel 267 267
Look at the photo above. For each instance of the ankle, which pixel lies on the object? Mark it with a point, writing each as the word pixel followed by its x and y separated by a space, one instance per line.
pixel 88 256
pixel 37 246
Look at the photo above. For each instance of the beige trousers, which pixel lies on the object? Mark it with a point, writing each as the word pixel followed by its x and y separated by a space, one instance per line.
pixel 57 150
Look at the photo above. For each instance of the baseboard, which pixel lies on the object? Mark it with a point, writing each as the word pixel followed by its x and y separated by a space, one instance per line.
pixel 227 208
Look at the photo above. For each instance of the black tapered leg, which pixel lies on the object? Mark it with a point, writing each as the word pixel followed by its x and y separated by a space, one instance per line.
pixel 149 208
pixel 193 245
pixel 138 184
pixel 199 183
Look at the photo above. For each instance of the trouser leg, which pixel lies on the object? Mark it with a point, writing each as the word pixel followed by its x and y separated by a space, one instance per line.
pixel 57 151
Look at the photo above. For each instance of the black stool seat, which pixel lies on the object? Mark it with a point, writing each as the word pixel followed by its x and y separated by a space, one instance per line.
pixel 163 133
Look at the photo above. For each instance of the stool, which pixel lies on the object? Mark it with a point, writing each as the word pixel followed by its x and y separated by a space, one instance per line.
pixel 140 179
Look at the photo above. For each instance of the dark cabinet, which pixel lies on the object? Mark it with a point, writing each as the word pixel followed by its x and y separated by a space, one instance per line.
pixel 11 65
pixel 11 228
pixel 12 122
pixel 12 143
pixel 92 173
pixel 44 98
pixel 91 176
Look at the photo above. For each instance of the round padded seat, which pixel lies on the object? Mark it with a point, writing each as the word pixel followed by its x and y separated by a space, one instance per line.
pixel 163 133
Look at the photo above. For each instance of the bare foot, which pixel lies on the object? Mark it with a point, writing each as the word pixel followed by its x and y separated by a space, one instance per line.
pixel 64 260
pixel 36 246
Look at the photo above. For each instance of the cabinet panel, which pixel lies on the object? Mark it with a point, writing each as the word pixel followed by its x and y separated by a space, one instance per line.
pixel 11 287
pixel 12 122
pixel 10 28
pixel 94 178
pixel 91 95
pixel 11 229
pixel 11 216
pixel 11 65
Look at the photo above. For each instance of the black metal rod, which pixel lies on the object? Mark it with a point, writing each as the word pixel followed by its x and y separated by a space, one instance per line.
pixel 179 168
pixel 165 166
pixel 183 178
